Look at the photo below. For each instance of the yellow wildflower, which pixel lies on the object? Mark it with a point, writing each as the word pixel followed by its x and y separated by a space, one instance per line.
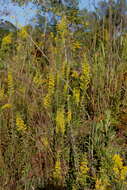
pixel 123 173
pixel 75 74
pixel 7 39
pixel 116 171
pixel 51 83
pixel 84 167
pixel 85 77
pixel 99 185
pixel 120 171
pixel 60 121
pixel 47 101
pixel 83 171
pixel 76 45
pixel 57 171
pixel 118 161
pixel 21 126
pixel 62 25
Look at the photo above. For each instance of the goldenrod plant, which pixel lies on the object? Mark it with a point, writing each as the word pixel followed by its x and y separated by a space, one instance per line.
pixel 63 105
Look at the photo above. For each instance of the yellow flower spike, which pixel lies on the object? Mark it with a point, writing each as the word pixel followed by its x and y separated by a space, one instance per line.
pixel 83 171
pixel 60 121
pixel 120 171
pixel 85 77
pixel 76 45
pixel 51 83
pixel 62 26
pixel 99 185
pixel 123 173
pixel 57 170
pixel 83 167
pixel 7 40
pixel 21 126
pixel 118 161
pixel 116 171
pixel 75 74
pixel 47 101
pixel 51 86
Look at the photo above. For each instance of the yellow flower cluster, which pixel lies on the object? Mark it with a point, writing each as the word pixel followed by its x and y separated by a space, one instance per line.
pixel 84 167
pixel 85 77
pixel 83 171
pixel 57 171
pixel 76 45
pixel 99 185
pixel 120 171
pixel 6 106
pixel 21 126
pixel 60 121
pixel 10 83
pixel 62 26
pixel 47 101
pixel 7 40
pixel 75 74
pixel 51 85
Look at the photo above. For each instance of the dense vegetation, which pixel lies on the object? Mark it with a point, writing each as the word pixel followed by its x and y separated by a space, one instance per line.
pixel 63 100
